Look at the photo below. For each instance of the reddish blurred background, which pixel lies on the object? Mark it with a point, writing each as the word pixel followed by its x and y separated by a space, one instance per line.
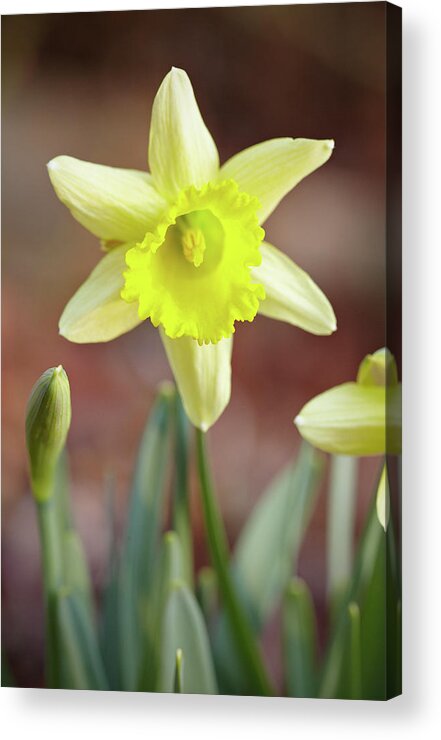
pixel 83 85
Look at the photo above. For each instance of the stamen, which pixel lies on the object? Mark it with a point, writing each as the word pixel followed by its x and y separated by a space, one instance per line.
pixel 193 246
pixel 215 229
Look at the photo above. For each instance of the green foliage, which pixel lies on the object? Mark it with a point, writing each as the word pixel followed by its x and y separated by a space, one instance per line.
pixel 140 548
pixel 181 492
pixel 374 588
pixel 81 665
pixel 156 631
pixel 179 687
pixel 299 640
pixel 184 629
pixel 269 543
pixel 266 555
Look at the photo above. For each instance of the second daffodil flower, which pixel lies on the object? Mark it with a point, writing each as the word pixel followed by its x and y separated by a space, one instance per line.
pixel 361 418
pixel 185 245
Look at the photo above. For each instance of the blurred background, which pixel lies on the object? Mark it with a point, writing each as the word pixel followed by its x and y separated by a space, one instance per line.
pixel 83 85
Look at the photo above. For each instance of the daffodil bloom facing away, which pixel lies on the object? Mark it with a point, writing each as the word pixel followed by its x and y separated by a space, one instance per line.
pixel 359 418
pixel 185 245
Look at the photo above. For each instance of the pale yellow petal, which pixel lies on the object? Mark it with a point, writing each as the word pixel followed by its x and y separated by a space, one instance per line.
pixel 181 149
pixel 97 313
pixel 383 500
pixel 350 419
pixel 271 169
pixel 203 376
pixel 291 295
pixel 114 204
pixel 378 368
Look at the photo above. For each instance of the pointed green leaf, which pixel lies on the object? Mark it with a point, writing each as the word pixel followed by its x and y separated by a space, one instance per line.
pixel 181 499
pixel 80 660
pixel 270 540
pixel 82 623
pixel 374 587
pixel 140 550
pixel 79 611
pixel 179 673
pixel 184 629
pixel 354 645
pixel 76 570
pixel 109 634
pixel 244 642
pixel 208 594
pixel 266 555
pixel 299 640
pixel 169 569
pixel 62 491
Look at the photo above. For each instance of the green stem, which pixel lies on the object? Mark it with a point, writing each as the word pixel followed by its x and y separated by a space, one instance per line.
pixel 51 555
pixel 341 510
pixel 217 541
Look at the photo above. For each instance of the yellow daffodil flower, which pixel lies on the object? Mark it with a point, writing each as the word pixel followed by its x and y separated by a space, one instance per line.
pixel 185 245
pixel 361 418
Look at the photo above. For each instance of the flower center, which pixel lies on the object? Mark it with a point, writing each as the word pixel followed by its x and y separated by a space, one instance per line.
pixel 192 274
pixel 198 237
pixel 193 245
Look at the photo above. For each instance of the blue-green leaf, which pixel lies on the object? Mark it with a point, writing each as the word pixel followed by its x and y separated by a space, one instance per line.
pixel 81 665
pixel 170 568
pixel 181 492
pixel 266 555
pixel 374 588
pixel 270 540
pixel 109 624
pixel 179 673
pixel 208 594
pixel 76 569
pixel 354 650
pixel 299 641
pixel 184 629
pixel 140 550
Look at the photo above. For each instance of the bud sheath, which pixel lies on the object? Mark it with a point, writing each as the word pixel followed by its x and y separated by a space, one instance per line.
pixel 47 424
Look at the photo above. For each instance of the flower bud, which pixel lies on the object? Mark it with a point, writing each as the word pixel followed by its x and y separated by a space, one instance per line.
pixel 47 424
